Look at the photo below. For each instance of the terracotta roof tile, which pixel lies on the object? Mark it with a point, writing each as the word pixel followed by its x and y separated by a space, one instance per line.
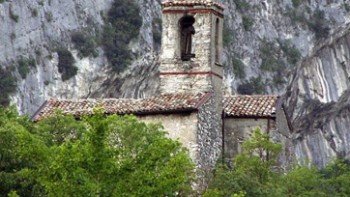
pixel 234 106
pixel 158 104
pixel 250 106
pixel 168 3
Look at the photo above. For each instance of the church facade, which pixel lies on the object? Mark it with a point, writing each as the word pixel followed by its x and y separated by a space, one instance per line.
pixel 192 106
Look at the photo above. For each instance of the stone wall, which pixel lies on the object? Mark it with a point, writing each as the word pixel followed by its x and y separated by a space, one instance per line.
pixel 209 137
pixel 282 135
pixel 194 75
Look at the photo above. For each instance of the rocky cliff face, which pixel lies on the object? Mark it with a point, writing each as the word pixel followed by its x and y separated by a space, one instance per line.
pixel 268 45
pixel 32 30
pixel 319 102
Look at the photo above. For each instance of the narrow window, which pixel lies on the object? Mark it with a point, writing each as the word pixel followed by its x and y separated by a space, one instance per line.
pixel 187 30
pixel 217 49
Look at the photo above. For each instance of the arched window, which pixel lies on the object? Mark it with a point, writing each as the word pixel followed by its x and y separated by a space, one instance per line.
pixel 217 49
pixel 186 32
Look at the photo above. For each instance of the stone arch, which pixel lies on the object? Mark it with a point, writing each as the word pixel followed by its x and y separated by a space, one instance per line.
pixel 186 32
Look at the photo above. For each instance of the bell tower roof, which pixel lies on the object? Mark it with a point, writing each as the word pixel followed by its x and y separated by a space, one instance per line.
pixel 191 3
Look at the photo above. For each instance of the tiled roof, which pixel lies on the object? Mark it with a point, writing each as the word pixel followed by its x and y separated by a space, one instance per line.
pixel 168 3
pixel 250 106
pixel 234 106
pixel 158 104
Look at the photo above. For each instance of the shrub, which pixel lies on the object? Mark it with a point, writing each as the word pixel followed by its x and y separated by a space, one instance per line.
pixel 270 61
pixel 291 52
pixel 247 23
pixel 278 80
pixel 66 64
pixel 7 86
pixel 270 64
pixel 48 16
pixel 13 16
pixel 255 85
pixel 347 6
pixel 242 5
pixel 227 36
pixel 238 68
pixel 34 12
pixel 13 36
pixel 296 16
pixel 296 3
pixel 123 25
pixel 318 25
pixel 25 65
pixel 85 44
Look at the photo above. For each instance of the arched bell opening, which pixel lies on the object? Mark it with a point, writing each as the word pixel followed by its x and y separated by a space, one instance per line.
pixel 186 32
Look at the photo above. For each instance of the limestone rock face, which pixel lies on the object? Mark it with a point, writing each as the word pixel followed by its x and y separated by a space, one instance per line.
pixel 319 102
pixel 33 29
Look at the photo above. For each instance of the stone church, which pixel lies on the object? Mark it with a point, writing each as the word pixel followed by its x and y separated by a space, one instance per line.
pixel 192 106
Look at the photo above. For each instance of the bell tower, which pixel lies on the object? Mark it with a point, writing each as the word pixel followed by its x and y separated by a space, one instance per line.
pixel 191 46
pixel 190 63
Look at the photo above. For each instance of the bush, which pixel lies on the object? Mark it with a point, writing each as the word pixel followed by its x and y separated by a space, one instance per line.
pixel 48 16
pixel 227 36
pixel 85 44
pixel 34 12
pixel 7 86
pixel 318 25
pixel 247 23
pixel 123 25
pixel 270 62
pixel 255 85
pixel 291 52
pixel 66 64
pixel 242 5
pixel 297 16
pixel 238 68
pixel 13 16
pixel 25 65
pixel 296 3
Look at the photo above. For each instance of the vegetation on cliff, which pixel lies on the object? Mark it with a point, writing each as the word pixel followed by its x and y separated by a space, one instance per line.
pixel 123 24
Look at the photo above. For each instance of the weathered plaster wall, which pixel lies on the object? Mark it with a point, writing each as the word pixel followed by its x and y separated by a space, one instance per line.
pixel 237 130
pixel 179 126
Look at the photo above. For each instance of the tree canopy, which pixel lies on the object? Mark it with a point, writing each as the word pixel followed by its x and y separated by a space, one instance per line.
pixel 255 173
pixel 96 156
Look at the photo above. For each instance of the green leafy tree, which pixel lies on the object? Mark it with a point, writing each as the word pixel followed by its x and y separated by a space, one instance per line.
pixel 252 171
pixel 118 156
pixel 301 181
pixel 21 154
pixel 96 156
pixel 337 178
